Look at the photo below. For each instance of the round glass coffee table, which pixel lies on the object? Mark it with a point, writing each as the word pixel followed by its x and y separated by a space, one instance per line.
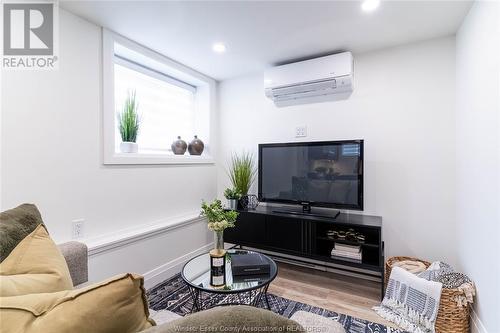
pixel 247 289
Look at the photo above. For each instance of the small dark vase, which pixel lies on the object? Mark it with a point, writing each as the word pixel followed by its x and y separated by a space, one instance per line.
pixel 196 146
pixel 239 204
pixel 179 146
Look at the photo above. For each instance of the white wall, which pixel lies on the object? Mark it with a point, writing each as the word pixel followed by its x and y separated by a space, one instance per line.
pixel 403 107
pixel 418 152
pixel 155 254
pixel 52 155
pixel 477 160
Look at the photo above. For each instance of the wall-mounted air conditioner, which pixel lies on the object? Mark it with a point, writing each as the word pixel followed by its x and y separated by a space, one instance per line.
pixel 317 80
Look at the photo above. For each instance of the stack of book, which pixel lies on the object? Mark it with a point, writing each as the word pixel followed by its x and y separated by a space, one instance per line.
pixel 347 252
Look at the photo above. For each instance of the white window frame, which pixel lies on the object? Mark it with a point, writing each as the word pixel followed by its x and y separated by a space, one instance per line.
pixel 148 61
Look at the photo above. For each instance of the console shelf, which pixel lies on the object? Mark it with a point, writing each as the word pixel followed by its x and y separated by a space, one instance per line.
pixel 304 237
pixel 343 241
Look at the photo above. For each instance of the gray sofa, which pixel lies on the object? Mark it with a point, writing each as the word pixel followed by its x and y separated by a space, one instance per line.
pixel 76 255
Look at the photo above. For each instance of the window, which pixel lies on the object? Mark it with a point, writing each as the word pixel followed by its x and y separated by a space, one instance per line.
pixel 166 107
pixel 172 100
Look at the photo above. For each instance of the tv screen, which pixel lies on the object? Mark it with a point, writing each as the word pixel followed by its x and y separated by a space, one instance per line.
pixel 327 174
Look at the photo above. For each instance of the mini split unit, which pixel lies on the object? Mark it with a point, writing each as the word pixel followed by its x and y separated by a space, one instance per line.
pixel 322 79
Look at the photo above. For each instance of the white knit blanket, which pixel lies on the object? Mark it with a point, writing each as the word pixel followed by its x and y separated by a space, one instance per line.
pixel 410 302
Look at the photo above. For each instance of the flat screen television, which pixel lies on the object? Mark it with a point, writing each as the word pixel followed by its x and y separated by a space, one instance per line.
pixel 324 174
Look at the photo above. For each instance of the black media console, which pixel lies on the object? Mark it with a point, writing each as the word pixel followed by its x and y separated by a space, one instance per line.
pixel 304 236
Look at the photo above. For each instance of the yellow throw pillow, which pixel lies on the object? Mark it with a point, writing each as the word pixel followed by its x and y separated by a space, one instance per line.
pixel 35 265
pixel 117 305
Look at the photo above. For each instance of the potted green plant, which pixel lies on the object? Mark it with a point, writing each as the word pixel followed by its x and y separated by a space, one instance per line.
pixel 128 124
pixel 218 220
pixel 242 173
pixel 232 195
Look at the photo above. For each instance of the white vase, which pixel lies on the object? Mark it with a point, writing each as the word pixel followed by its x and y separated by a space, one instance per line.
pixel 129 147
pixel 233 203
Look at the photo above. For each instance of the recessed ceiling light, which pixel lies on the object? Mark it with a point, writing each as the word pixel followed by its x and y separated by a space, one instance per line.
pixel 219 48
pixel 369 5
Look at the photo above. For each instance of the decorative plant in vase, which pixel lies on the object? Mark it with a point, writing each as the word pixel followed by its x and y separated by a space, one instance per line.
pixel 232 195
pixel 218 220
pixel 128 124
pixel 242 174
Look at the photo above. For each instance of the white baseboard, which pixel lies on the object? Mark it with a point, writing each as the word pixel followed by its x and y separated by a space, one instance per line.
pixel 107 253
pixel 165 271
pixel 476 325
pixel 125 237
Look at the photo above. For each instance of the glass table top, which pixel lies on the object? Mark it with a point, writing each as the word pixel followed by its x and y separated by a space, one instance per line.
pixel 196 272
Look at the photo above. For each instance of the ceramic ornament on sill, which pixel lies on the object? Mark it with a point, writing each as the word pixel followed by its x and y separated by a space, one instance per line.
pixel 179 146
pixel 196 146
pixel 128 124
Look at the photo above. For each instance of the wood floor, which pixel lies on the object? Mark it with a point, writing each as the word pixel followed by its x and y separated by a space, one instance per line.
pixel 339 293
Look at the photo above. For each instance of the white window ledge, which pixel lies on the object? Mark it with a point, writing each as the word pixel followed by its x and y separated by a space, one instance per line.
pixel 144 159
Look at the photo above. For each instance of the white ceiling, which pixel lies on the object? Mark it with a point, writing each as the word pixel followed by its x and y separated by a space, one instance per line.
pixel 263 33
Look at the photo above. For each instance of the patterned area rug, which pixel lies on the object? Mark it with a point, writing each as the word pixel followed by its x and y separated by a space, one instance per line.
pixel 173 295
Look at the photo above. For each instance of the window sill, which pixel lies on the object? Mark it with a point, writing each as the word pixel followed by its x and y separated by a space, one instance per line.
pixel 152 159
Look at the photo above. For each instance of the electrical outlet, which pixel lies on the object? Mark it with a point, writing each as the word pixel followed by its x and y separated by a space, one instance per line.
pixel 300 131
pixel 78 228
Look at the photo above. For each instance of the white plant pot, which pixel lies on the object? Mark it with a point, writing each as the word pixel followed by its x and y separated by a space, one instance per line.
pixel 233 204
pixel 129 147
